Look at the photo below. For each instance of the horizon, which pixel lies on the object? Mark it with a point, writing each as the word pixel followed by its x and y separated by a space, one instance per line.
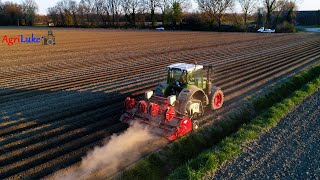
pixel 306 5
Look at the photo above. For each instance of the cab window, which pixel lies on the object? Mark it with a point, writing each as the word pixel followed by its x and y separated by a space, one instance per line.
pixel 196 78
pixel 177 75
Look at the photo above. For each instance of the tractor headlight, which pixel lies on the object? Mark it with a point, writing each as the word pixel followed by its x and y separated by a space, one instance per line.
pixel 172 99
pixel 148 94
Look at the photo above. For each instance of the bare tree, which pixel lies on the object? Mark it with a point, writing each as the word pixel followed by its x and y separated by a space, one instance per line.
pixel 81 14
pixel 167 15
pixel 163 5
pixel 280 6
pixel 130 8
pixel 270 6
pixel 113 10
pixel 73 8
pixel 100 11
pixel 165 8
pixel 116 10
pixel 247 7
pixel 284 7
pixel 29 9
pixel 141 13
pixel 153 4
pixel 289 9
pixel 215 9
pixel 67 10
pixel 107 11
pixel 60 11
pixel 134 6
pixel 87 6
pixel 53 14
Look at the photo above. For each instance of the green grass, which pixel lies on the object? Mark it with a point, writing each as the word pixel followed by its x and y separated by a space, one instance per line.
pixel 230 147
pixel 242 120
pixel 40 25
pixel 300 29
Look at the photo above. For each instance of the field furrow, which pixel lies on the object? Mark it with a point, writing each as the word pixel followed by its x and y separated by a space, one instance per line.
pixel 60 103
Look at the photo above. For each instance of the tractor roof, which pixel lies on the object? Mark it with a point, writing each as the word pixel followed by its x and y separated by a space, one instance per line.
pixel 185 66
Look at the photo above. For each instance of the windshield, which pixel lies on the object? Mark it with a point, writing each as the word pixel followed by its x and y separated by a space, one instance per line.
pixel 177 75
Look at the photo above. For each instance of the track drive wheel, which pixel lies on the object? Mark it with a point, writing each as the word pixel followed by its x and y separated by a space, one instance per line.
pixel 216 98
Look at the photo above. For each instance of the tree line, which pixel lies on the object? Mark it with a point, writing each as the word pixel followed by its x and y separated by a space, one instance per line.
pixel 211 14
pixel 117 13
pixel 18 14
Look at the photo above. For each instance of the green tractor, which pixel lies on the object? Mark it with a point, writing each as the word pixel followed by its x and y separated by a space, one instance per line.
pixel 172 109
pixel 193 88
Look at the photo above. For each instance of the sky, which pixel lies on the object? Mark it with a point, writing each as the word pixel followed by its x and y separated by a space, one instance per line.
pixel 44 4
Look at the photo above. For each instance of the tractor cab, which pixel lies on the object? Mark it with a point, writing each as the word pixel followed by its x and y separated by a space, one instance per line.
pixel 183 75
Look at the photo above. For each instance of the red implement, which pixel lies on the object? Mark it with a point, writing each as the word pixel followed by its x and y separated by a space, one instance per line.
pixel 159 115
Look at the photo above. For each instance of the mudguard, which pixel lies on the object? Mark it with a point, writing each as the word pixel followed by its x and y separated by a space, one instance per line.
pixel 192 92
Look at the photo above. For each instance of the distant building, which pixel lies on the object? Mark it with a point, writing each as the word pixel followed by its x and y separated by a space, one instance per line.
pixel 308 17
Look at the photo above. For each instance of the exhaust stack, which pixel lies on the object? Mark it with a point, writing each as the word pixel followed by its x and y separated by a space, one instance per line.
pixel 209 84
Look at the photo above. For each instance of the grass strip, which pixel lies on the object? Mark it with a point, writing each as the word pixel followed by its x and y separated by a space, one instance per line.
pixel 160 164
pixel 209 161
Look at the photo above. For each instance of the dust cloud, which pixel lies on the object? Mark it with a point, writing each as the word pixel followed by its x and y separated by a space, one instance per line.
pixel 121 149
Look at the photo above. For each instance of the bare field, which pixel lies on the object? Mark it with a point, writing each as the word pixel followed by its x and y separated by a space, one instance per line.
pixel 58 102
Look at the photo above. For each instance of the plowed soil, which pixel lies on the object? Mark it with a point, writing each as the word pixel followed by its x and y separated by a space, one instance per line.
pixel 57 102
